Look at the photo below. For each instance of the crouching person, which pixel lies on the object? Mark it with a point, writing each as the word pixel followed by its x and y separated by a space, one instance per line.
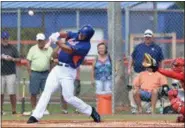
pixel 146 85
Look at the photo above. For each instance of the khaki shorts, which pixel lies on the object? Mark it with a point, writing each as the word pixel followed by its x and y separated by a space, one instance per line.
pixel 8 82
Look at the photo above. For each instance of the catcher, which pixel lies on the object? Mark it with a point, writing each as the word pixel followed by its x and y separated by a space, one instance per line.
pixel 176 97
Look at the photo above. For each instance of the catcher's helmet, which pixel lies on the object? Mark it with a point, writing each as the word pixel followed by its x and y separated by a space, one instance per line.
pixel 5 34
pixel 150 62
pixel 88 31
pixel 178 64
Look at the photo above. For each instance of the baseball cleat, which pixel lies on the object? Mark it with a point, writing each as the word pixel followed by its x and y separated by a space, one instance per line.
pixel 95 115
pixel 180 119
pixel 32 119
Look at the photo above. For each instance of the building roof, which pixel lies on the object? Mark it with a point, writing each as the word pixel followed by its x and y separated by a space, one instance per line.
pixel 80 5
pixel 88 5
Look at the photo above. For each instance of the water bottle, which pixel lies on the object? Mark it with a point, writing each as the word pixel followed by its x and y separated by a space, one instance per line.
pixel 161 109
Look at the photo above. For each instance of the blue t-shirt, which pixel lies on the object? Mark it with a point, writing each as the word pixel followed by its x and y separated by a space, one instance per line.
pixel 138 55
pixel 103 70
pixel 80 50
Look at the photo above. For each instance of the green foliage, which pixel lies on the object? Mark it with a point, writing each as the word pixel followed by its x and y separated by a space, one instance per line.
pixel 180 4
pixel 29 33
pixel 26 33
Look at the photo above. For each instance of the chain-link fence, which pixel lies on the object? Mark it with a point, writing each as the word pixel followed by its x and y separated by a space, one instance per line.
pixel 23 29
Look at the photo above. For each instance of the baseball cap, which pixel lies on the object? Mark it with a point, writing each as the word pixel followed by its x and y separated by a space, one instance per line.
pixel 148 33
pixel 40 36
pixel 5 34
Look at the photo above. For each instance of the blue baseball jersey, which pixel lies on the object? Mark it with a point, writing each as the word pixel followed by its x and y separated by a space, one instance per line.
pixel 80 50
pixel 138 55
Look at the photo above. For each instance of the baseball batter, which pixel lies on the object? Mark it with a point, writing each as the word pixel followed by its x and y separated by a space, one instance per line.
pixel 70 57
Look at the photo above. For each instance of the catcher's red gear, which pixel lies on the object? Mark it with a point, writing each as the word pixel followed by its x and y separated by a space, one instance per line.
pixel 172 94
pixel 177 71
pixel 180 119
pixel 178 105
pixel 177 65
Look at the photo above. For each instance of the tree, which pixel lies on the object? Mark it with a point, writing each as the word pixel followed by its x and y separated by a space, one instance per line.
pixel 180 4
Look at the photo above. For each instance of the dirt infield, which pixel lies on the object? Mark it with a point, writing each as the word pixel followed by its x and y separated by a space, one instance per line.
pixel 84 123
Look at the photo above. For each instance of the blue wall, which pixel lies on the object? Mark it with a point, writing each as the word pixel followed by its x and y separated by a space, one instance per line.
pixel 54 21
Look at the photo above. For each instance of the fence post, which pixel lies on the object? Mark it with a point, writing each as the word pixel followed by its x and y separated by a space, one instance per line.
pixel 18 29
pixel 155 29
pixel 18 44
pixel 174 45
pixel 127 14
pixel 119 92
pixel 77 19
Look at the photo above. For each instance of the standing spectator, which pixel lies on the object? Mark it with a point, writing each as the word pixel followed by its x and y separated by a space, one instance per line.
pixel 9 57
pixel 148 46
pixel 102 70
pixel 38 68
pixel 77 84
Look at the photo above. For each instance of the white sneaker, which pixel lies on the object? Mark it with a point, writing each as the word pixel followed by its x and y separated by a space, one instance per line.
pixel 46 112
pixel 148 111
pixel 76 111
pixel 148 108
pixel 27 113
pixel 134 110
pixel 64 111
pixel 3 113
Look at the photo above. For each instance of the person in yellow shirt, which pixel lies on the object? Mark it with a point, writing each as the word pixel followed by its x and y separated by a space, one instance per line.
pixel 147 83
pixel 38 67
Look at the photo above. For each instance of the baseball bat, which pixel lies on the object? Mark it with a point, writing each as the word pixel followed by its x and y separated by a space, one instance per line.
pixel 47 44
pixel 23 96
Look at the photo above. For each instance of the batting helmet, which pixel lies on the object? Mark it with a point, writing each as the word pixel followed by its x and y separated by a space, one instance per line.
pixel 88 31
pixel 5 34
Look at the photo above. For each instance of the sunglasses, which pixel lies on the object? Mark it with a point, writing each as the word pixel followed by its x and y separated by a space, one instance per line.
pixel 148 34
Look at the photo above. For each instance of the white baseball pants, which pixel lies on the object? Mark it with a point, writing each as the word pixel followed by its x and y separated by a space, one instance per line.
pixel 64 77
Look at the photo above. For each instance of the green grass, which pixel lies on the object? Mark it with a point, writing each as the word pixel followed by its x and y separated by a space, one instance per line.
pixel 86 91
pixel 53 108
pixel 108 117
pixel 56 115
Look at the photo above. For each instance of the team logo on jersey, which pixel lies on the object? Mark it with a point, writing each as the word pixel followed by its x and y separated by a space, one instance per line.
pixel 73 41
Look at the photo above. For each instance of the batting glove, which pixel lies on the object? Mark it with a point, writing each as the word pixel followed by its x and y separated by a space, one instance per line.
pixel 54 37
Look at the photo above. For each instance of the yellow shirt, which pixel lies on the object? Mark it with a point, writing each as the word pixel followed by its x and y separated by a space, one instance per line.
pixel 149 80
pixel 40 59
